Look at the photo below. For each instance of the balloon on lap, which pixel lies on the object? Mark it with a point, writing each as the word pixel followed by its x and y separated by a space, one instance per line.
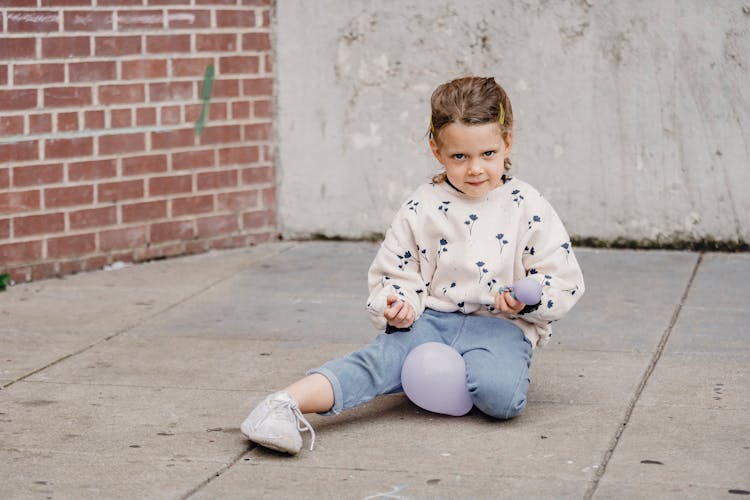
pixel 434 378
pixel 527 291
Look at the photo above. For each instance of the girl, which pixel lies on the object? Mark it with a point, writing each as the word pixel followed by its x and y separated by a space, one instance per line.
pixel 443 275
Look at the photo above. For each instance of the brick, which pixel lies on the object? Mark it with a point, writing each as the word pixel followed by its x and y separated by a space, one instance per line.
pixel 149 164
pixel 190 67
pixel 121 190
pixel 68 196
pixel 4 229
pixel 68 246
pixel 19 201
pixel 28 74
pixel 39 124
pixel 67 96
pixel 11 125
pixel 193 111
pixel 242 155
pixel 257 3
pixel 257 87
pixel 267 64
pixel 263 109
pixel 139 20
pixel 221 134
pixel 120 118
pixel 226 18
pixel 188 18
pixel 217 225
pixel 122 94
pixel 147 211
pixel 217 180
pixel 174 184
pixel 13 100
pixel 240 110
pixel 171 115
pixel 119 239
pixel 265 21
pixel 173 139
pixel 4 178
pixel 268 196
pixel 92 170
pixel 118 3
pixel 68 148
pixel 69 46
pixel 122 143
pixel 216 2
pixel 168 2
pixel 20 252
pixel 172 231
pixel 239 64
pixel 172 91
pixel 192 205
pixel 39 21
pixel 193 159
pixel 67 122
pixel 256 42
pixel 92 218
pixel 145 116
pixel 90 20
pixel 65 3
pixel 3 74
pixel 93 119
pixel 98 71
pixel 238 201
pixel 258 219
pixel 17 48
pixel 258 132
pixel 144 69
pixel 219 42
pixel 217 111
pixel 37 175
pixel 226 88
pixel 257 175
pixel 117 45
pixel 162 44
pixel 18 3
pixel 19 151
pixel 38 224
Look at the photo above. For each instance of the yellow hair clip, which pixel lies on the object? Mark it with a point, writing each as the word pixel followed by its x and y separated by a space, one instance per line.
pixel 502 115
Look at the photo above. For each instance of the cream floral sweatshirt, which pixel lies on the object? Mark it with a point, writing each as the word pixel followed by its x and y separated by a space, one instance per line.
pixel 449 252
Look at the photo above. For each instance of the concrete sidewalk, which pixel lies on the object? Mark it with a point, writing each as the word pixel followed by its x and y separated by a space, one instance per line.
pixel 133 383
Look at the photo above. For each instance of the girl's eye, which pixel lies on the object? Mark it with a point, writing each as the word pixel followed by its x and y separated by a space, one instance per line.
pixel 488 154
pixel 458 156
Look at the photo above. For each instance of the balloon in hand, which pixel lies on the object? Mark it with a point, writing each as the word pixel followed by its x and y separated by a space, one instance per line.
pixel 434 378
pixel 527 291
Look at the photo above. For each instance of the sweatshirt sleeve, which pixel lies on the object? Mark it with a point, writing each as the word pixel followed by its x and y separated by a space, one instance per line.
pixel 548 258
pixel 396 269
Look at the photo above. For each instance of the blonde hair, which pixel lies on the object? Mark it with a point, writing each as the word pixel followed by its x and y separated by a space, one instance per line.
pixel 470 100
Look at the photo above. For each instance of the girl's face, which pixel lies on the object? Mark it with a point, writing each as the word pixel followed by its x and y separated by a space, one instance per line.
pixel 473 156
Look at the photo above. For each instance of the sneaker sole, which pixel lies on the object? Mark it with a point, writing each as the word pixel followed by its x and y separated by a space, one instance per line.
pixel 269 443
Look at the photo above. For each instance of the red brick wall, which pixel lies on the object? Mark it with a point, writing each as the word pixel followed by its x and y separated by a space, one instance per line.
pixel 99 158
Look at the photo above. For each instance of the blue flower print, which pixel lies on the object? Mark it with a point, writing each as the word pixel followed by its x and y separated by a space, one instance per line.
pixel 443 247
pixel 423 253
pixel 405 259
pixel 482 270
pixel 397 289
pixel 460 305
pixel 566 248
pixel 501 239
pixel 412 205
pixel 444 207
pixel 548 280
pixel 472 219
pixel 535 220
pixel 491 284
pixel 517 197
pixel 529 251
pixel 445 288
pixel 550 304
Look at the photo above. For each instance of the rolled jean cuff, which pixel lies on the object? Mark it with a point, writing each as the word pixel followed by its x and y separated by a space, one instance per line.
pixel 338 396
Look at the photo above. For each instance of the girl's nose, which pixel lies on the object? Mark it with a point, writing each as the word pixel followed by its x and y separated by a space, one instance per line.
pixel 475 168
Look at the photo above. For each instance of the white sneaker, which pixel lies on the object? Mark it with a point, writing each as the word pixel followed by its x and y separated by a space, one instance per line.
pixel 276 423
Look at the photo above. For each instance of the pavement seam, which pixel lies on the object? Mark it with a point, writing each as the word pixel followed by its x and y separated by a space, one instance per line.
pixel 602 469
pixel 146 319
pixel 217 474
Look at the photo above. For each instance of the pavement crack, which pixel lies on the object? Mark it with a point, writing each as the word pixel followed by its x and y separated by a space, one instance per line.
pixel 602 469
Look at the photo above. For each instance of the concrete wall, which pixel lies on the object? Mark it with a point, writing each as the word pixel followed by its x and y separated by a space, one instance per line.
pixel 632 116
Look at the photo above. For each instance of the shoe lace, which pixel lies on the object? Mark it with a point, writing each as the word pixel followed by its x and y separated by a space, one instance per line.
pixel 302 424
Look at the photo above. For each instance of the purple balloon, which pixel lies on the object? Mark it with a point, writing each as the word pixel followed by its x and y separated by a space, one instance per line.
pixel 527 291
pixel 434 378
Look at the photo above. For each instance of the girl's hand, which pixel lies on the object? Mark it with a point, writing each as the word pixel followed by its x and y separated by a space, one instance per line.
pixel 399 313
pixel 504 302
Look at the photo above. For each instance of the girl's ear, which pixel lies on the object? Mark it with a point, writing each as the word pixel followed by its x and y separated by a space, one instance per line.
pixel 436 151
pixel 508 139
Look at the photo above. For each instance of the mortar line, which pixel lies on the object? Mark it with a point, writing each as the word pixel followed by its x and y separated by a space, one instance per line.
pixel 594 485
pixel 141 321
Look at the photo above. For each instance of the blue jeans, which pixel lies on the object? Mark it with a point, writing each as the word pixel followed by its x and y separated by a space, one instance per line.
pixel 496 352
